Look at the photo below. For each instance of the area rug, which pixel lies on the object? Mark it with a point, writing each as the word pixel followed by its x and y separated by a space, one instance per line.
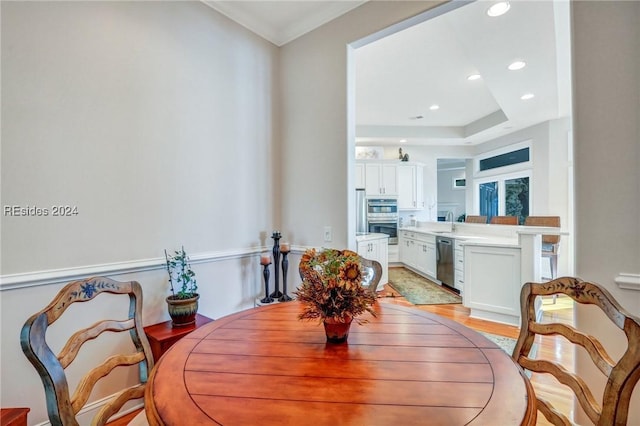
pixel 506 343
pixel 419 290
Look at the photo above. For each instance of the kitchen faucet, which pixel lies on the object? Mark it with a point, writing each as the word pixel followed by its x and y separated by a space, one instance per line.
pixel 446 218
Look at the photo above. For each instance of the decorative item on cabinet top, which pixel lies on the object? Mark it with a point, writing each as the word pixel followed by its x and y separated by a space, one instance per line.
pixel 401 156
pixel 369 153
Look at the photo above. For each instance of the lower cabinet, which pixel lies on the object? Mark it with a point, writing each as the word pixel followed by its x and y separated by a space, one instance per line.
pixel 458 260
pixel 418 251
pixel 492 282
pixel 426 255
pixel 376 249
pixel 429 258
pixel 408 249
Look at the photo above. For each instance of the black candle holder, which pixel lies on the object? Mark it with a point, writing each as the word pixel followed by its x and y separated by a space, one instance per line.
pixel 276 261
pixel 285 266
pixel 265 274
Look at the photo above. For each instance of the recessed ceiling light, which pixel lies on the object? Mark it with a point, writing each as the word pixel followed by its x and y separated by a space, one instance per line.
pixel 517 65
pixel 527 96
pixel 499 8
pixel 403 140
pixel 473 77
pixel 434 107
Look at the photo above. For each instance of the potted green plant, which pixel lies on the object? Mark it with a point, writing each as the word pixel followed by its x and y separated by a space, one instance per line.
pixel 183 302
pixel 332 291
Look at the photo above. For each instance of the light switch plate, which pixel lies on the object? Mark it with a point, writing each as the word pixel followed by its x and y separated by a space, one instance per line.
pixel 328 234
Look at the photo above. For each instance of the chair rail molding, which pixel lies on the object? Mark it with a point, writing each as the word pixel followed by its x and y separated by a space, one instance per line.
pixel 628 281
pixel 63 275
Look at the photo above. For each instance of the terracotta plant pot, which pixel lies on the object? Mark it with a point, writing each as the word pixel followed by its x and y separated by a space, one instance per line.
pixel 336 331
pixel 182 311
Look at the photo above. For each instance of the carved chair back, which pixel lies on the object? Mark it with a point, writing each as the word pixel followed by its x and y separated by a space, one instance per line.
pixel 622 375
pixel 62 406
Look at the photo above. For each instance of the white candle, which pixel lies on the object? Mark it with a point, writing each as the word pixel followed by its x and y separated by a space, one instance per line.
pixel 265 259
pixel 284 247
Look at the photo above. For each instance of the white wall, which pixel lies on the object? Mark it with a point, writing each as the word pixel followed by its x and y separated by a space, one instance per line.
pixel 160 122
pixel 606 75
pixel 538 137
pixel 151 118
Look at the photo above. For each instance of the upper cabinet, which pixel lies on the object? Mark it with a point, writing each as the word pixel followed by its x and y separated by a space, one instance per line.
pixel 410 187
pixel 393 179
pixel 381 179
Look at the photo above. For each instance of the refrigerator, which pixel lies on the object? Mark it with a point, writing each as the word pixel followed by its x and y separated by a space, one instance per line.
pixel 361 212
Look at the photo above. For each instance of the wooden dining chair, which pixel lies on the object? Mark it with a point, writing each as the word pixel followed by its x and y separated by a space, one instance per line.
pixel 550 243
pixel 504 220
pixel 371 273
pixel 475 219
pixel 62 407
pixel 622 375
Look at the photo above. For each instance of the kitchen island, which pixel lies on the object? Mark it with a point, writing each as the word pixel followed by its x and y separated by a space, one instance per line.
pixel 491 263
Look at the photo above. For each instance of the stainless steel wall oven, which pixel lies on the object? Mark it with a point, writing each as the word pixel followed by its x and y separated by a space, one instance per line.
pixel 382 217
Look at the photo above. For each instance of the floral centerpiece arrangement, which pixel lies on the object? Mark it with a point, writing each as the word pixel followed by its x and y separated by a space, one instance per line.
pixel 331 288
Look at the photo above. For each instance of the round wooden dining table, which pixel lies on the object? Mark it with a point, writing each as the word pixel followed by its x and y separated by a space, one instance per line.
pixel 264 366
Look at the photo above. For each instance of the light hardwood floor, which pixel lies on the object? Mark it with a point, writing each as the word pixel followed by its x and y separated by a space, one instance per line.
pixel 548 347
pixel 553 348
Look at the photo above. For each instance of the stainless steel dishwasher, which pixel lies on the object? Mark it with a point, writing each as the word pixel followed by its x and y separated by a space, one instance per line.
pixel 444 260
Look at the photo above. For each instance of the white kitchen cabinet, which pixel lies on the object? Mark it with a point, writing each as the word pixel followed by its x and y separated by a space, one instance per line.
pixel 418 252
pixel 376 247
pixel 359 178
pixel 493 282
pixel 458 260
pixel 426 255
pixel 430 259
pixel 368 249
pixel 406 187
pixel 419 186
pixel 381 179
pixel 408 248
pixel 410 187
